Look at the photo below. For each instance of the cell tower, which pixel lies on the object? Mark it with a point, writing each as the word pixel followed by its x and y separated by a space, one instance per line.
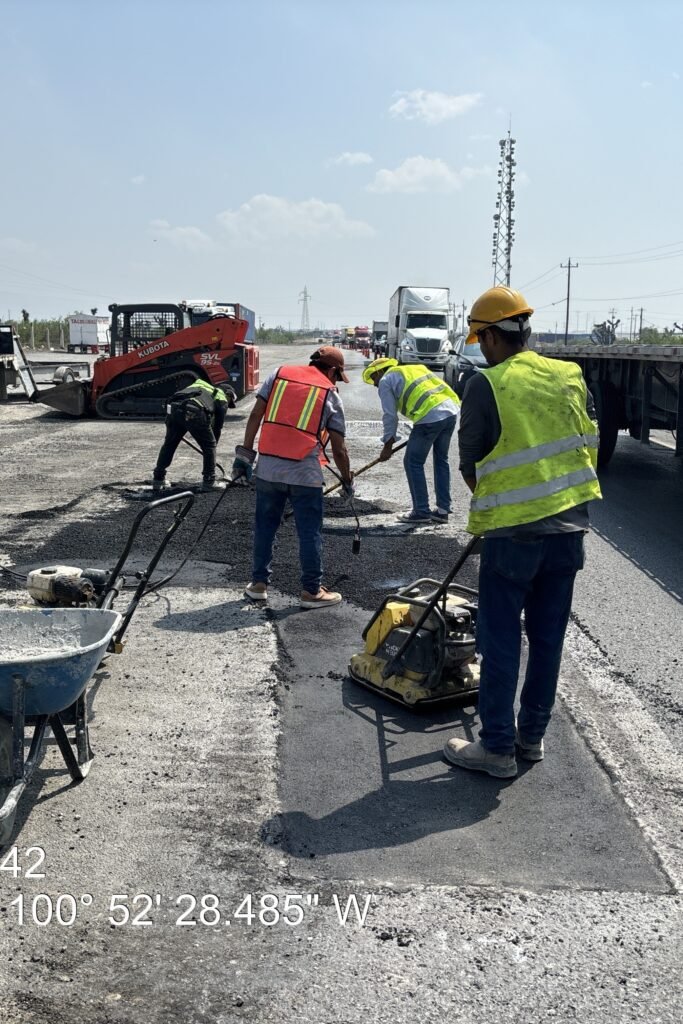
pixel 503 221
pixel 305 321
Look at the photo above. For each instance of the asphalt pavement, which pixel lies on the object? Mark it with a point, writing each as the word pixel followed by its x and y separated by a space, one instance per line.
pixel 235 759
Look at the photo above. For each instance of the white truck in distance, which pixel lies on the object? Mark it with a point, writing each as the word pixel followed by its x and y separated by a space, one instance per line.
pixel 88 333
pixel 418 326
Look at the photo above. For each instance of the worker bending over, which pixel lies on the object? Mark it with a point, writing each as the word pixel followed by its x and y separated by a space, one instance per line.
pixel 433 407
pixel 198 410
pixel 528 452
pixel 299 407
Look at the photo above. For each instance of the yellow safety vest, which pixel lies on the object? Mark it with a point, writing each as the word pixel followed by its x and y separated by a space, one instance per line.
pixel 545 459
pixel 422 392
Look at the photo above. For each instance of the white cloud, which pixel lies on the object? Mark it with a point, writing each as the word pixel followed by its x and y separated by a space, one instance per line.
pixel 424 174
pixel 190 238
pixel 646 85
pixel 433 107
pixel 266 218
pixel 350 159
pixel 675 74
pixel 138 179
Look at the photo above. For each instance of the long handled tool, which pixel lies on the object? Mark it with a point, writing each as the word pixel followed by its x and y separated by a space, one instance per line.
pixel 364 469
pixel 355 546
pixel 196 449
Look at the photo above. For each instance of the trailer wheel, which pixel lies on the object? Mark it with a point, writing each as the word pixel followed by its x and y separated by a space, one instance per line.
pixel 6 826
pixel 607 414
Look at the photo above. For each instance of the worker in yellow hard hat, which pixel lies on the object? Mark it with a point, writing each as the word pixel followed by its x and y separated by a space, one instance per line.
pixel 433 407
pixel 528 452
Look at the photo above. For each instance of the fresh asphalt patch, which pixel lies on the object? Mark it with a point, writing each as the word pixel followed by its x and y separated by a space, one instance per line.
pixel 366 793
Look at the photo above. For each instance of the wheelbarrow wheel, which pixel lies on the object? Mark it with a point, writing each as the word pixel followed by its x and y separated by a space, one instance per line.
pixel 7 825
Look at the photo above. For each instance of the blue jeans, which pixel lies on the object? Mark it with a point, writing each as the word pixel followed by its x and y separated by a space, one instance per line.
pixel 424 436
pixel 537 577
pixel 307 505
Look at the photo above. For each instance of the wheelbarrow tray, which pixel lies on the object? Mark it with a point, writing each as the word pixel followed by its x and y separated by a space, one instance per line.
pixel 54 651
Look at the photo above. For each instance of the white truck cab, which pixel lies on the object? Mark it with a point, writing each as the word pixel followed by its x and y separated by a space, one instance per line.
pixel 419 326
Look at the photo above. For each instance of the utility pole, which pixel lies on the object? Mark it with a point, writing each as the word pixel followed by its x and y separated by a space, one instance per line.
pixel 503 220
pixel 640 328
pixel 568 266
pixel 305 319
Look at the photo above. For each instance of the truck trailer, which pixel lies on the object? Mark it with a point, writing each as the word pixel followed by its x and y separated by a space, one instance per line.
pixel 88 333
pixel 418 325
pixel 635 387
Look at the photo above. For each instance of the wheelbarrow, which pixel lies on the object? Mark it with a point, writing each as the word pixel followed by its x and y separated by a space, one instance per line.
pixel 48 657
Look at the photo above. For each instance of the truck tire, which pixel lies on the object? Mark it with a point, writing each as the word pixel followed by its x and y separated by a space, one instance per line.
pixel 607 415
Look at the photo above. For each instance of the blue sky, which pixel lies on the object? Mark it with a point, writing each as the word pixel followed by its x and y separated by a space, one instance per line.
pixel 234 150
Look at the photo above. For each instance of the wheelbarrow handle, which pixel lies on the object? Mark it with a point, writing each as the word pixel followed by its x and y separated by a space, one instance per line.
pixel 186 500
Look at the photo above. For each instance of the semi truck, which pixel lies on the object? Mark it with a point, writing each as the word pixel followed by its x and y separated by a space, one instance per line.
pixel 362 337
pixel 418 325
pixel 638 388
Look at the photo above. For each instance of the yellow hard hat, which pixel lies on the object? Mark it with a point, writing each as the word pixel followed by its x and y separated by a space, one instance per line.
pixel 376 365
pixel 496 304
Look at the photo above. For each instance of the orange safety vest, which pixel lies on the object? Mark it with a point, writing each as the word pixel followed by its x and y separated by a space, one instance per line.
pixel 292 421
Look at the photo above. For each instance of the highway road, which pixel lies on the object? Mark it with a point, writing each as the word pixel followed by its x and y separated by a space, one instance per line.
pixel 236 761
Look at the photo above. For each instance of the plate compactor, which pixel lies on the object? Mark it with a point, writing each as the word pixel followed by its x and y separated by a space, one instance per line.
pixel 420 643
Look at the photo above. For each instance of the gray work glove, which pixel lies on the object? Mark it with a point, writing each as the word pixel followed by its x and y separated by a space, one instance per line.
pixel 243 466
pixel 349 489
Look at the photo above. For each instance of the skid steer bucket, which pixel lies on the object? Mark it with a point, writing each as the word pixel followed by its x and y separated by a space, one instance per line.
pixel 71 398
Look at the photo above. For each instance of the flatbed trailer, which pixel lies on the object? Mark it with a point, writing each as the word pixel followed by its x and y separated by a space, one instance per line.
pixel 635 387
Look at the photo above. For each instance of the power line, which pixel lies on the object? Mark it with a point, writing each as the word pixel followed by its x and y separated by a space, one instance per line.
pixel 535 279
pixel 633 252
pixel 55 284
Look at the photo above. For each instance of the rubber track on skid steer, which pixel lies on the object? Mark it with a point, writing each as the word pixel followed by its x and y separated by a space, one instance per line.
pixel 105 399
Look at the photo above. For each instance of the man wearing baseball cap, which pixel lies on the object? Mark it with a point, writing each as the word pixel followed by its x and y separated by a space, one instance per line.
pixel 297 410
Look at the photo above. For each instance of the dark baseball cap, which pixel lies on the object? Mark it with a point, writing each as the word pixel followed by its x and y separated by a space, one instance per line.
pixel 330 356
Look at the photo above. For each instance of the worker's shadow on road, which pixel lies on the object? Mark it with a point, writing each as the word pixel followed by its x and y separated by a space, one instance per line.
pixel 225 617
pixel 399 811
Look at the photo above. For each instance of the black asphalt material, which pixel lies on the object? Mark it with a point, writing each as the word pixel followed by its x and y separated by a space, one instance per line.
pixel 366 792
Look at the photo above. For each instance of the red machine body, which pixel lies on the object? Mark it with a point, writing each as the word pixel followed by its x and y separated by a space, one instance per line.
pixel 154 353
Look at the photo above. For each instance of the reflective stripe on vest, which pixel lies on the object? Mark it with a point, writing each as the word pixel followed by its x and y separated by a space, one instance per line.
pixel 544 461
pixel 425 398
pixel 292 423
pixel 580 476
pixel 539 451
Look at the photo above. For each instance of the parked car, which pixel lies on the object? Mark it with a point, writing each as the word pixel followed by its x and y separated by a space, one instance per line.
pixel 462 363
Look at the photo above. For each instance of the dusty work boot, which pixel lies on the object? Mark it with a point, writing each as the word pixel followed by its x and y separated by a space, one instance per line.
pixel 211 485
pixel 257 591
pixel 472 755
pixel 158 486
pixel 323 599
pixel 529 751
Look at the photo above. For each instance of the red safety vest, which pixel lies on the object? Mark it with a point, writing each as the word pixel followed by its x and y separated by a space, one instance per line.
pixel 292 421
